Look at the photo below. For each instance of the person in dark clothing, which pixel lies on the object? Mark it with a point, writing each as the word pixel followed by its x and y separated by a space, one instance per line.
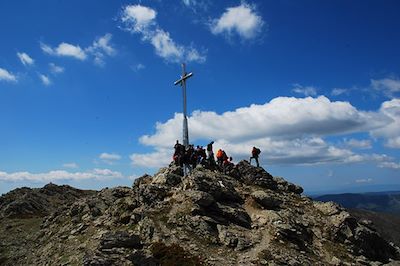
pixel 201 155
pixel 255 152
pixel 210 153
pixel 178 153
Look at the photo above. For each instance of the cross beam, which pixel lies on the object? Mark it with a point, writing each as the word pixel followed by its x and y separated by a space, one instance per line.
pixel 182 82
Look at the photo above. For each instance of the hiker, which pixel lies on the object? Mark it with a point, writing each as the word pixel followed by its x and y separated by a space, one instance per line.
pixel 201 155
pixel 178 153
pixel 220 157
pixel 255 152
pixel 227 165
pixel 210 154
pixel 192 156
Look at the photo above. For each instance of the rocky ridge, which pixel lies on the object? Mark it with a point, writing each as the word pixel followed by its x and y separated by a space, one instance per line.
pixel 243 217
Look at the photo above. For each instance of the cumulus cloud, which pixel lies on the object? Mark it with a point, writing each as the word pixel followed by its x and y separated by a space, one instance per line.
pixel 139 17
pixel 25 59
pixel 159 158
pixel 391 131
pixel 97 174
pixel 55 69
pixel 100 48
pixel 305 90
pixel 242 20
pixel 65 49
pixel 7 76
pixel 282 117
pixel 142 20
pixel 289 130
pixel 71 165
pixel 109 158
pixel 45 79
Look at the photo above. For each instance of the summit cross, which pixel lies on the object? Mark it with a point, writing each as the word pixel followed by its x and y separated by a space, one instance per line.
pixel 182 82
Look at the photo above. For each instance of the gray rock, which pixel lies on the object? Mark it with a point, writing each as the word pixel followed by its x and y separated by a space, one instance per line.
pixel 267 200
pixel 119 239
pixel 252 175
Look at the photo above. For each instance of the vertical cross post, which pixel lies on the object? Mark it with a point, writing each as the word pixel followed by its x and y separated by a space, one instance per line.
pixel 182 82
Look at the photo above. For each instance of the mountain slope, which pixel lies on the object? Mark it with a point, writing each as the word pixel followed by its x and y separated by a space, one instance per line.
pixel 246 217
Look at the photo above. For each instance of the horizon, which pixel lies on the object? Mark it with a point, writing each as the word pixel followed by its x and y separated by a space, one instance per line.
pixel 87 95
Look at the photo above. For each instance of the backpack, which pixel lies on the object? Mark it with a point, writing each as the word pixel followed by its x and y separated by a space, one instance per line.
pixel 219 153
pixel 256 151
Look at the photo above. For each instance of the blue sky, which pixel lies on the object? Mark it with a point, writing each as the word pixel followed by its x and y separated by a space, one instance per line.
pixel 87 95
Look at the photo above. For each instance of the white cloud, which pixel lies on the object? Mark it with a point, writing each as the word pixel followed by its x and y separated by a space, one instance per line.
pixel 7 76
pixel 97 174
pixel 25 59
pixel 189 2
pixel 388 86
pixel 142 20
pixel 192 55
pixel 138 16
pixel 166 47
pixel 138 67
pixel 364 180
pixel 45 80
pixel 359 144
pixel 71 165
pixel 65 49
pixel 103 43
pixel 109 158
pixel 391 165
pixel 339 91
pixel 391 131
pixel 196 5
pixel 100 48
pixel 242 19
pixel 305 90
pixel 287 129
pixel 55 69
pixel 159 158
pixel 282 117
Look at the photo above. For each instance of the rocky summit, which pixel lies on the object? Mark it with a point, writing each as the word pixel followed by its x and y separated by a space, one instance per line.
pixel 243 217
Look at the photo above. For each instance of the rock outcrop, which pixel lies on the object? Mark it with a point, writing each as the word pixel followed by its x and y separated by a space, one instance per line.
pixel 244 217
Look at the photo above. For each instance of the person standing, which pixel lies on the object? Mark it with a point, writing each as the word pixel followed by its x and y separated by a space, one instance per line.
pixel 210 153
pixel 255 152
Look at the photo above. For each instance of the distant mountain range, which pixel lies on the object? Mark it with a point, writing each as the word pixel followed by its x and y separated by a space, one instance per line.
pixel 387 201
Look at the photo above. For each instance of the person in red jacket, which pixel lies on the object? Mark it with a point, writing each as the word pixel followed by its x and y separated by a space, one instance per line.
pixel 255 152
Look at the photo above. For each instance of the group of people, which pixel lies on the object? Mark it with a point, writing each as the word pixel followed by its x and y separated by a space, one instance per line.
pixel 191 157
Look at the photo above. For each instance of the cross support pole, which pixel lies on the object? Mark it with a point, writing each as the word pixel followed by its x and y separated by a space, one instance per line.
pixel 182 82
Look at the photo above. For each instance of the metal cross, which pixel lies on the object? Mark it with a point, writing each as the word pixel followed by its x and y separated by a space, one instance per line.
pixel 182 82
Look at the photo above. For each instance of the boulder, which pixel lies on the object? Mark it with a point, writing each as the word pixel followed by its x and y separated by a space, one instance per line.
pixel 268 201
pixel 119 239
pixel 220 188
pixel 252 175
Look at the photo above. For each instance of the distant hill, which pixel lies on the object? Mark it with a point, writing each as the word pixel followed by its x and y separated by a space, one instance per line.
pixel 388 201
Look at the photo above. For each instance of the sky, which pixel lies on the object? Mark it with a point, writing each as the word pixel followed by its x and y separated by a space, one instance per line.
pixel 87 95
